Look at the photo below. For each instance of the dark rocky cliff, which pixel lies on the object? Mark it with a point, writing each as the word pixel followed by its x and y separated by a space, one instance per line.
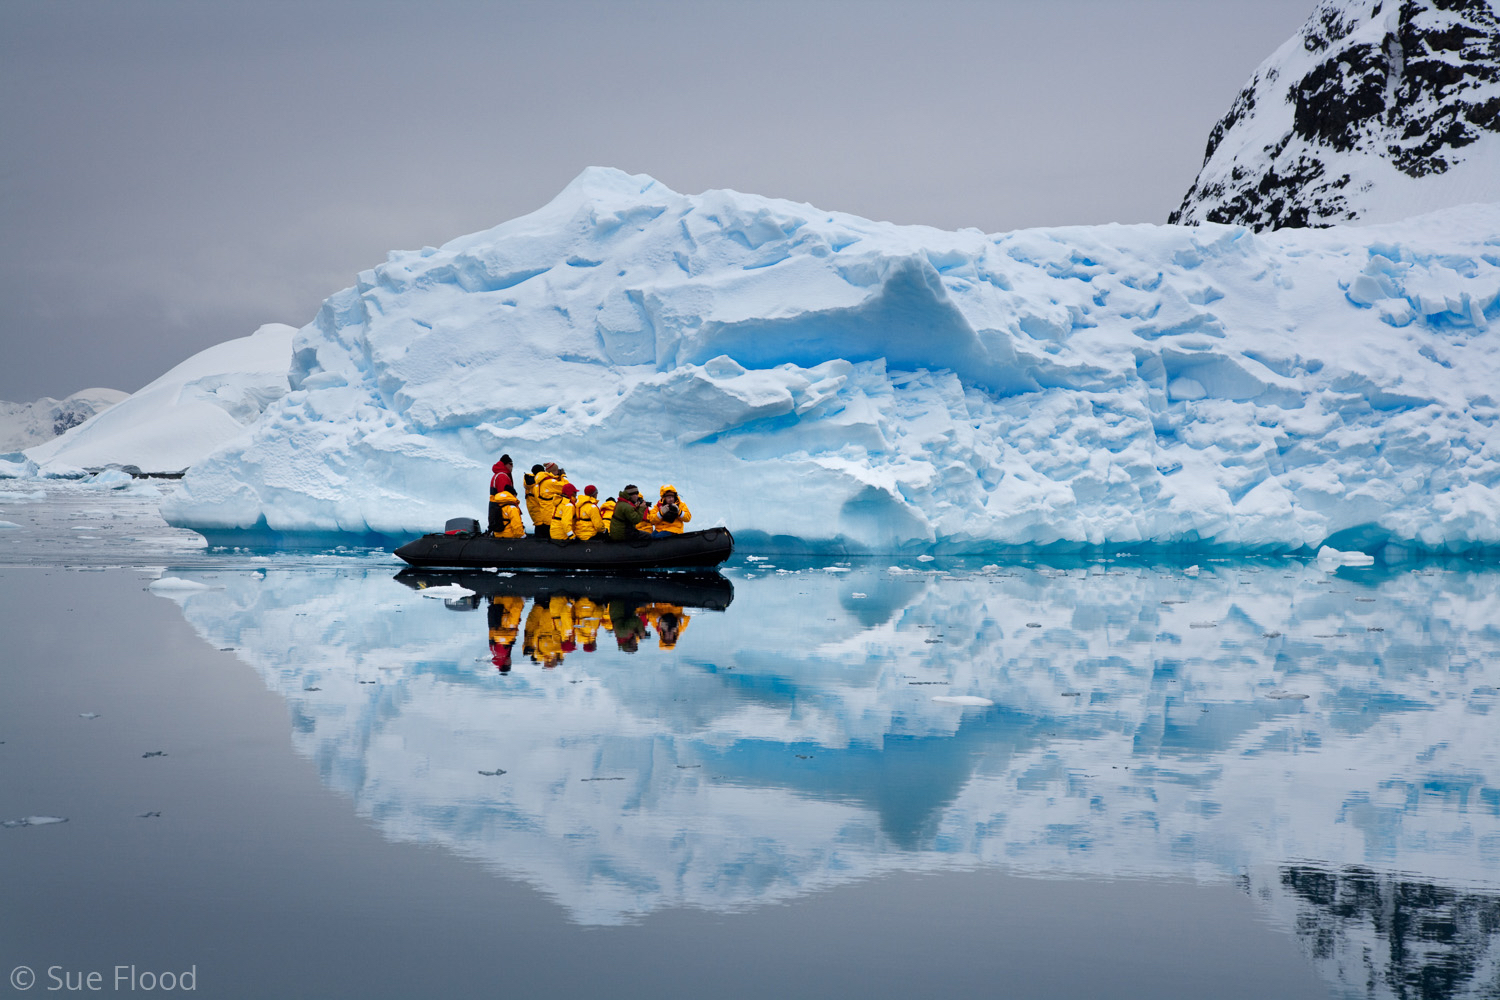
pixel 1370 96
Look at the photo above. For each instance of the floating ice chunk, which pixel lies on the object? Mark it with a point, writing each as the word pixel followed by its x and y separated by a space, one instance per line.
pixel 857 596
pixel 1328 556
pixel 1279 695
pixel 925 558
pixel 88 715
pixel 8 525
pixel 110 479
pixel 1192 570
pixel 961 699
pixel 446 592
pixel 33 821
pixel 178 583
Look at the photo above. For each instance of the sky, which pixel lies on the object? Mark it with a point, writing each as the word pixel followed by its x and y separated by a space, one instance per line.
pixel 175 173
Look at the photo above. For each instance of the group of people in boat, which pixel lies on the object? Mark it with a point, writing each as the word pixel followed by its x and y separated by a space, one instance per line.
pixel 560 512
pixel 561 624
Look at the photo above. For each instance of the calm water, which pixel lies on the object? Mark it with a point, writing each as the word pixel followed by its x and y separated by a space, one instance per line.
pixel 299 776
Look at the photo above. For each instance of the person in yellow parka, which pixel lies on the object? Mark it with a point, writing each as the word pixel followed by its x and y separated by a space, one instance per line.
pixel 588 520
pixel 606 511
pixel 669 513
pixel 508 509
pixel 533 505
pixel 564 513
pixel 549 486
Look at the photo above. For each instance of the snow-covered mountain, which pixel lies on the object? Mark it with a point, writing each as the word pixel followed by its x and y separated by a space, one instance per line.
pixel 1376 110
pixel 193 409
pixel 25 425
pixel 809 375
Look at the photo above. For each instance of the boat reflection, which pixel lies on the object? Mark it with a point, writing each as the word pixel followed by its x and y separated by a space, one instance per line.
pixel 568 611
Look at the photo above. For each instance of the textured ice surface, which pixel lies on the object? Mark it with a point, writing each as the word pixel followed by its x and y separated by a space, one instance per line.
pixel 810 375
pixel 188 412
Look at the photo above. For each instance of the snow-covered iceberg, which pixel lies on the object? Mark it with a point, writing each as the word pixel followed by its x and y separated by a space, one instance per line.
pixel 806 374
pixel 190 411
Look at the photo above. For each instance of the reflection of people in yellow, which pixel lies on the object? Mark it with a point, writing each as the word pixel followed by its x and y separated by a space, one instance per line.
pixel 668 620
pixel 505 621
pixel 542 641
pixel 587 617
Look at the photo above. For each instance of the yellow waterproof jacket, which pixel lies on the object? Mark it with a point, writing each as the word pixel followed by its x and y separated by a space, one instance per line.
pixel 653 514
pixel 548 492
pixel 562 518
pixel 533 505
pixel 510 509
pixel 677 622
pixel 607 511
pixel 587 520
pixel 587 617
pixel 505 625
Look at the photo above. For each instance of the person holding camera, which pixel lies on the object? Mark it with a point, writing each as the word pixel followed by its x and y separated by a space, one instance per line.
pixel 669 513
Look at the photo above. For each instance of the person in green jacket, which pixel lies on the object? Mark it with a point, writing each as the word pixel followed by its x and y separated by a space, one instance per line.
pixel 629 512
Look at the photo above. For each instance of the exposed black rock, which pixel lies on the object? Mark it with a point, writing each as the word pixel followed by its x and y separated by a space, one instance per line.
pixel 1366 90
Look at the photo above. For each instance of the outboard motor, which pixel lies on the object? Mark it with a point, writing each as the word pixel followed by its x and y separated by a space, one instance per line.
pixel 461 526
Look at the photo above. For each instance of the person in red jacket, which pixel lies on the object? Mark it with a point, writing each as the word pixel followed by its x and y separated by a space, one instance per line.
pixel 500 482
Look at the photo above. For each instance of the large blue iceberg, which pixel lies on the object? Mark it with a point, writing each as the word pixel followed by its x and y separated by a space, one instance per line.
pixel 809 375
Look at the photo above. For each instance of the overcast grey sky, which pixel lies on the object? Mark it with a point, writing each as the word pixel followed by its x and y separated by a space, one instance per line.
pixel 174 174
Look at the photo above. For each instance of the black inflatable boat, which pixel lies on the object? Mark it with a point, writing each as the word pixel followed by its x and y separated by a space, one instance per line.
pixel 471 548
pixel 704 589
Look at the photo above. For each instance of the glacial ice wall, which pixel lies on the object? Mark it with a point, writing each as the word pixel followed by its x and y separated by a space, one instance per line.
pixel 812 376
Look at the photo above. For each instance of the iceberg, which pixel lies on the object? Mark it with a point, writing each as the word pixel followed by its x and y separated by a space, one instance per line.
pixel 190 411
pixel 816 380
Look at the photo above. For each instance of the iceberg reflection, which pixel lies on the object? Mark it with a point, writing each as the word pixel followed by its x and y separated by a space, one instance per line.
pixel 1249 718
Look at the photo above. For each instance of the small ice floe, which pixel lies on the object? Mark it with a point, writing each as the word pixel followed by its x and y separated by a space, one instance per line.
pixel 857 596
pixel 1329 556
pixel 11 824
pixel 962 699
pixel 493 774
pixel 925 558
pixel 178 583
pixel 1280 695
pixel 9 526
pixel 756 558
pixel 838 569
pixel 88 715
pixel 1171 600
pixel 1191 570
pixel 446 592
pixel 1203 624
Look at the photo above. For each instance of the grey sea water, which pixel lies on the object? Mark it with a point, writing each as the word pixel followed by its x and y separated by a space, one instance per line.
pixel 299 775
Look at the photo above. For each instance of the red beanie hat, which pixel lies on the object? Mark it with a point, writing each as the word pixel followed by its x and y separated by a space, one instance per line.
pixel 592 491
